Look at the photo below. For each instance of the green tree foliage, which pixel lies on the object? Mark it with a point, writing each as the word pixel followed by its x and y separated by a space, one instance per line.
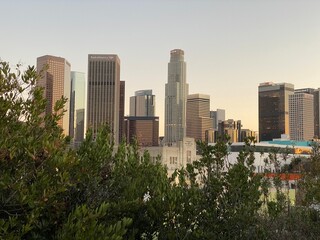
pixel 39 175
pixel 231 193
pixel 311 184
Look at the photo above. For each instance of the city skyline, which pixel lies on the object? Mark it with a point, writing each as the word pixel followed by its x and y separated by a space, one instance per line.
pixel 230 47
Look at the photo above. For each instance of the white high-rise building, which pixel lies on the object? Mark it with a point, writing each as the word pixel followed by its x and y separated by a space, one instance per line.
pixel 176 93
pixel 301 116
pixel 142 104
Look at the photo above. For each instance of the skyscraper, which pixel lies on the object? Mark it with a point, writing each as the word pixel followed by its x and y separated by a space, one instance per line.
pixel 274 110
pixel 103 92
pixel 176 93
pixel 142 103
pixel 55 79
pixel 121 110
pixel 142 124
pixel 198 116
pixel 316 107
pixel 301 114
pixel 217 116
pixel 77 106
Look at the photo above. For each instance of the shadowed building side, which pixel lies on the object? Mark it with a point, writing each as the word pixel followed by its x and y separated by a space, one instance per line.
pixel 121 110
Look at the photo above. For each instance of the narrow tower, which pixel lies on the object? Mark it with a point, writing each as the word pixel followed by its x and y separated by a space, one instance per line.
pixel 301 115
pixel 77 106
pixel 176 93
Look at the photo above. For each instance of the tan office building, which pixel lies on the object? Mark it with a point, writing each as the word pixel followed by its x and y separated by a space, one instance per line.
pixel 198 116
pixel 301 113
pixel 55 79
pixel 103 97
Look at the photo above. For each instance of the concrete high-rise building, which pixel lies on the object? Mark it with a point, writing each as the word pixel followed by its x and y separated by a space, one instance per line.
pixel 121 110
pixel 217 116
pixel 301 114
pixel 55 79
pixel 316 108
pixel 77 106
pixel 176 93
pixel 198 116
pixel 103 97
pixel 274 110
pixel 142 104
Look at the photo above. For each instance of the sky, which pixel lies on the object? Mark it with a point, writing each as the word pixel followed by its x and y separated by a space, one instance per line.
pixel 230 46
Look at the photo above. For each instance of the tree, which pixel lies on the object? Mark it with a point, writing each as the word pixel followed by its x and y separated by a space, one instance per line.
pixel 36 167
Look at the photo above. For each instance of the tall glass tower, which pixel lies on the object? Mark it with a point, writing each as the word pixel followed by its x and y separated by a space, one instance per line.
pixel 176 93
pixel 77 106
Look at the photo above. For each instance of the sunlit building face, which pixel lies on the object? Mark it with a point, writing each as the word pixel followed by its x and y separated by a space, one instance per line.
pixel 55 79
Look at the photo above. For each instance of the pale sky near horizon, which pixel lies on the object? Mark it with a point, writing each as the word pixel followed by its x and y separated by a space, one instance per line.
pixel 230 46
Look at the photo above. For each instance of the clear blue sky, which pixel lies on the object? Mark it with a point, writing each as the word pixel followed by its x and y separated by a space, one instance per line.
pixel 230 46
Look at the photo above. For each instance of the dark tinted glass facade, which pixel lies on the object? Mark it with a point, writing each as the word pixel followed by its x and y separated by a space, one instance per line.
pixel 274 110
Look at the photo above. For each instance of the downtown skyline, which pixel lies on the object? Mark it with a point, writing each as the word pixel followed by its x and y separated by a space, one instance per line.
pixel 230 48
